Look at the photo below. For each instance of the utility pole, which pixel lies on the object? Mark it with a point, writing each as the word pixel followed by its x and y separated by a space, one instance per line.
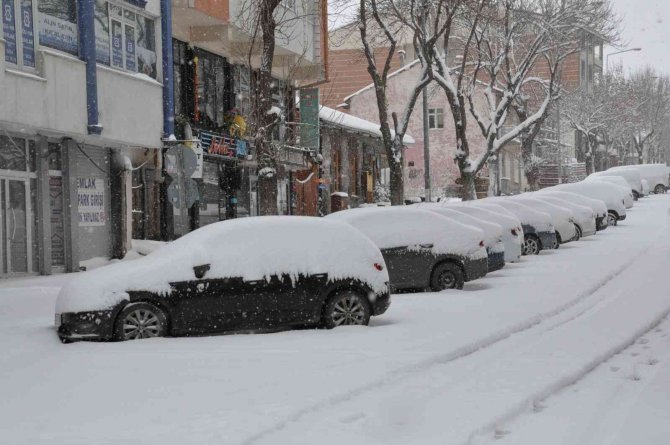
pixel 426 145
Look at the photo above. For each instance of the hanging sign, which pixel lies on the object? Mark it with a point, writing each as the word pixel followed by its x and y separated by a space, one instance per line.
pixel 309 118
pixel 91 200
pixel 27 33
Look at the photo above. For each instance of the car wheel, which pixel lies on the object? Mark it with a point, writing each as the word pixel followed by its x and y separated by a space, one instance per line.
pixel 636 195
pixel 140 320
pixel 346 308
pixel 578 233
pixel 531 245
pixel 612 219
pixel 447 276
pixel 660 188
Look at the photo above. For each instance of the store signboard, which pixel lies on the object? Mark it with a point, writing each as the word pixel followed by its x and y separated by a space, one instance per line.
pixel 58 33
pixel 9 30
pixel 27 33
pixel 309 118
pixel 91 200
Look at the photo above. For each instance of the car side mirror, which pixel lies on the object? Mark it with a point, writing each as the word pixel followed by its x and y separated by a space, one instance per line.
pixel 201 270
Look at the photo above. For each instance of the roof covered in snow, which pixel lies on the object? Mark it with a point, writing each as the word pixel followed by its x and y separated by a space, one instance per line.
pixel 355 124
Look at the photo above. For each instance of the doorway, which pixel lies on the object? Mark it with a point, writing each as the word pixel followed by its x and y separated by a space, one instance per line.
pixel 17 249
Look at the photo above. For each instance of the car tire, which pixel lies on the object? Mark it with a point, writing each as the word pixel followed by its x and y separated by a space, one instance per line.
pixel 345 308
pixel 660 188
pixel 140 320
pixel 636 195
pixel 612 219
pixel 447 276
pixel 578 232
pixel 559 240
pixel 531 245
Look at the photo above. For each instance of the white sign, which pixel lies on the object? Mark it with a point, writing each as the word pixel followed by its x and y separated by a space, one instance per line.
pixel 91 200
pixel 197 148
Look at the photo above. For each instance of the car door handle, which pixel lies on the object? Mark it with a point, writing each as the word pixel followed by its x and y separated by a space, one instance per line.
pixel 426 246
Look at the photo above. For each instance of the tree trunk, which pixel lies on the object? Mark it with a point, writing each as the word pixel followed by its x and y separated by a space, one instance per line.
pixel 266 156
pixel 468 190
pixel 397 184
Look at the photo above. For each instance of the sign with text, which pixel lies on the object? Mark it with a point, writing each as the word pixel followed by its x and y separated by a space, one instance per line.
pixel 9 30
pixel 91 200
pixel 58 33
pixel 309 118
pixel 27 33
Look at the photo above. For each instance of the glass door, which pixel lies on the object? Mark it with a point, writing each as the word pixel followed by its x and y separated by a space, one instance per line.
pixel 16 244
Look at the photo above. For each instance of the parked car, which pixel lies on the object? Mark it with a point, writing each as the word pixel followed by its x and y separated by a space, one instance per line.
pixel 561 219
pixel 512 234
pixel 495 249
pixel 596 205
pixel 423 250
pixel 645 187
pixel 631 179
pixel 538 231
pixel 621 184
pixel 657 175
pixel 583 217
pixel 251 273
pixel 616 210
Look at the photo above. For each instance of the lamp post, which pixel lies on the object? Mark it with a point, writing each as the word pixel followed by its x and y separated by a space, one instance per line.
pixel 607 66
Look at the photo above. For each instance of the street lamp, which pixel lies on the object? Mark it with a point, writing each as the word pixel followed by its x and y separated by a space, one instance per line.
pixel 607 65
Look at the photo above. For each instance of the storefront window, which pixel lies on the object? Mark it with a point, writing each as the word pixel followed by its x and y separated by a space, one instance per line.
pixel 132 38
pixel 18 32
pixel 212 73
pixel 58 24
pixel 12 153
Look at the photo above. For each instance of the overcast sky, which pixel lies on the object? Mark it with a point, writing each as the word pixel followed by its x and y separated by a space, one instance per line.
pixel 646 25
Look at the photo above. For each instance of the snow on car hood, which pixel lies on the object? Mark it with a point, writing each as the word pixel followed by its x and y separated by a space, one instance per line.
pixel 540 220
pixel 409 227
pixel 250 248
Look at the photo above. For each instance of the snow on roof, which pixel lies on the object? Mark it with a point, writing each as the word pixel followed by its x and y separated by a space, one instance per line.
pixel 249 248
pixel 394 73
pixel 492 231
pixel 355 124
pixel 540 220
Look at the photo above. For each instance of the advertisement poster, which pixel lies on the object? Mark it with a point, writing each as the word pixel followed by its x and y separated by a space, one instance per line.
pixel 27 33
pixel 309 118
pixel 91 199
pixel 131 65
pixel 9 30
pixel 57 33
pixel 57 221
pixel 117 45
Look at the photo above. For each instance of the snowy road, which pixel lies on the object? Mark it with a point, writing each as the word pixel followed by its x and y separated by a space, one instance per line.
pixel 491 362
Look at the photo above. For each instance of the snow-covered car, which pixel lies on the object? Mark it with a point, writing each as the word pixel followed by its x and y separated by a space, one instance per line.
pixel 645 187
pixel 422 249
pixel 657 175
pixel 616 210
pixel 538 231
pixel 512 234
pixel 631 178
pixel 251 273
pixel 583 217
pixel 597 207
pixel 561 218
pixel 493 242
pixel 622 185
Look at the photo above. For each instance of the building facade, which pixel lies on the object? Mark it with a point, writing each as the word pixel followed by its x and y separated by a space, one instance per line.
pixel 80 115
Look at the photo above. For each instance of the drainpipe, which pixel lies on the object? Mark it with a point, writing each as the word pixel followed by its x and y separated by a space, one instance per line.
pixel 168 69
pixel 87 54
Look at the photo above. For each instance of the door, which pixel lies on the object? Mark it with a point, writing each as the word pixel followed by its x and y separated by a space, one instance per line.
pixel 16 245
pixel 409 268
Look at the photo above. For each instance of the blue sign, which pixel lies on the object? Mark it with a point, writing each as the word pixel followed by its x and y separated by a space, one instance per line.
pixel 27 33
pixel 117 45
pixel 57 33
pixel 131 64
pixel 9 30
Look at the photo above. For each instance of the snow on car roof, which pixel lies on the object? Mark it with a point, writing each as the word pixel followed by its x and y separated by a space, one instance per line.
pixel 536 218
pixel 492 231
pixel 596 204
pixel 391 227
pixel 507 219
pixel 250 248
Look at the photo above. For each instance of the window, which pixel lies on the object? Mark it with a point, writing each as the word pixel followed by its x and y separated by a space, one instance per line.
pixel 211 89
pixel 435 118
pixel 18 31
pixel 58 24
pixel 125 39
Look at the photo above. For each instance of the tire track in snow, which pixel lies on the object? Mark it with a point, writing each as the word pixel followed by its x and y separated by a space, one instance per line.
pixel 408 370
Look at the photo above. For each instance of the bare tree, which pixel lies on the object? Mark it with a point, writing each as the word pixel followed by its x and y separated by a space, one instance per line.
pixel 426 22
pixel 498 47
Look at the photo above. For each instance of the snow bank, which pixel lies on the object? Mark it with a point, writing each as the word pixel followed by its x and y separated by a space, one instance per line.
pixel 251 248
pixel 390 227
